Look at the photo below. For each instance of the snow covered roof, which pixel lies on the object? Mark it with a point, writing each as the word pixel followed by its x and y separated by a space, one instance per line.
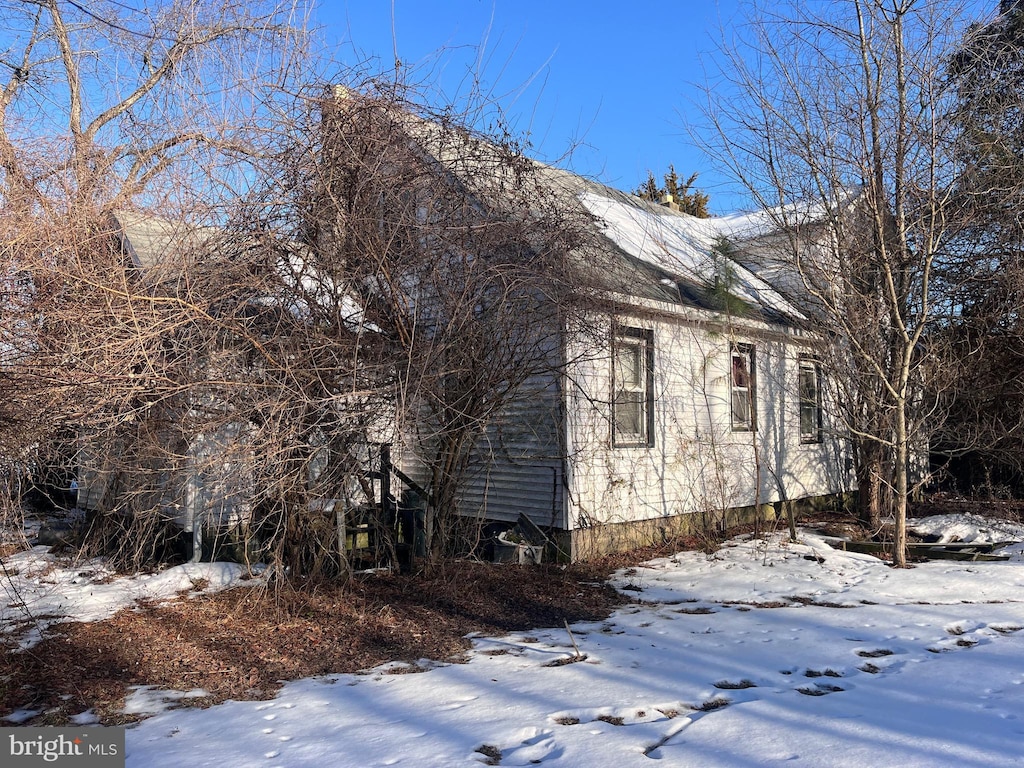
pixel 686 249
pixel 638 248
pixel 642 249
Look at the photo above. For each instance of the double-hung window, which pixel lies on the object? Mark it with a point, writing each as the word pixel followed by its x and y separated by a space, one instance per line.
pixel 633 387
pixel 809 387
pixel 743 385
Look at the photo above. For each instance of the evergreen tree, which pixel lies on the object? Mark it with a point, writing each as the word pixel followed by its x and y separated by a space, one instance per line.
pixel 690 200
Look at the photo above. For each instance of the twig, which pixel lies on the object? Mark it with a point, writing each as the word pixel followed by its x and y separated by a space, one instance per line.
pixel 571 638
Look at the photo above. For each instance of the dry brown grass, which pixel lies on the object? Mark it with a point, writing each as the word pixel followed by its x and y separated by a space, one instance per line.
pixel 240 643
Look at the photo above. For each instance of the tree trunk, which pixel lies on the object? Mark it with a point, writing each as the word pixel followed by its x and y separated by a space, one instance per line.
pixel 869 484
pixel 901 481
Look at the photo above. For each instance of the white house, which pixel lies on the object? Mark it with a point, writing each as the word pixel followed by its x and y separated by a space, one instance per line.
pixel 698 392
pixel 690 389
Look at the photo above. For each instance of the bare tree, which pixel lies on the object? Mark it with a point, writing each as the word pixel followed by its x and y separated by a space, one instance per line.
pixel 103 110
pixel 387 276
pixel 454 247
pixel 837 118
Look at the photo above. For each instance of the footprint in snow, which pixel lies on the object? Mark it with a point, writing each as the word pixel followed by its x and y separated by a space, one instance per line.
pixel 827 672
pixel 962 627
pixel 819 689
pixel 944 646
pixel 735 685
pixel 961 634
pixel 534 746
pixel 617 715
pixel 876 653
pixel 1006 629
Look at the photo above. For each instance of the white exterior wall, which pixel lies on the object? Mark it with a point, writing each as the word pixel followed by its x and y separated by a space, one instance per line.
pixel 517 463
pixel 218 480
pixel 697 462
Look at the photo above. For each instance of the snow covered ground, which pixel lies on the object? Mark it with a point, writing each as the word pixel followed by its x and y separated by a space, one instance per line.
pixel 37 590
pixel 764 653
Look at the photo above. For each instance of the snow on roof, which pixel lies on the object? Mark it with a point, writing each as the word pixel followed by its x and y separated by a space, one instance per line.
pixel 683 245
pixel 747 226
pixel 678 246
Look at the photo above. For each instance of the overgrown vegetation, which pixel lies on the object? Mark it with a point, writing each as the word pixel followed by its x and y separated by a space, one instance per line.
pixel 979 445
pixel 233 359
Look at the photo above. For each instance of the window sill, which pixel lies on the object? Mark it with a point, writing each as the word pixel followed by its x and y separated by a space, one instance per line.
pixel 637 444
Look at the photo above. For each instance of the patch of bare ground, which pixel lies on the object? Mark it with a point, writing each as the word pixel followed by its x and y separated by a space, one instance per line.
pixel 734 685
pixel 567 660
pixel 712 704
pixel 242 643
pixel 491 752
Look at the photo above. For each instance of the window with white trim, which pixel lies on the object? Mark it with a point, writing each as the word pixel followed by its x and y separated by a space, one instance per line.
pixel 743 386
pixel 633 387
pixel 809 389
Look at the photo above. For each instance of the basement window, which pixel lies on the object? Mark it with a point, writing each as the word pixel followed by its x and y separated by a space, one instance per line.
pixel 633 387
pixel 809 386
pixel 743 385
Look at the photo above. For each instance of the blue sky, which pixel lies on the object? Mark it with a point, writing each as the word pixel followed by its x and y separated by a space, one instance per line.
pixel 617 83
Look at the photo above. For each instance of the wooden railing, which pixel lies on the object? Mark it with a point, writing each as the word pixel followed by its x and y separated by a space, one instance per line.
pixel 394 531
